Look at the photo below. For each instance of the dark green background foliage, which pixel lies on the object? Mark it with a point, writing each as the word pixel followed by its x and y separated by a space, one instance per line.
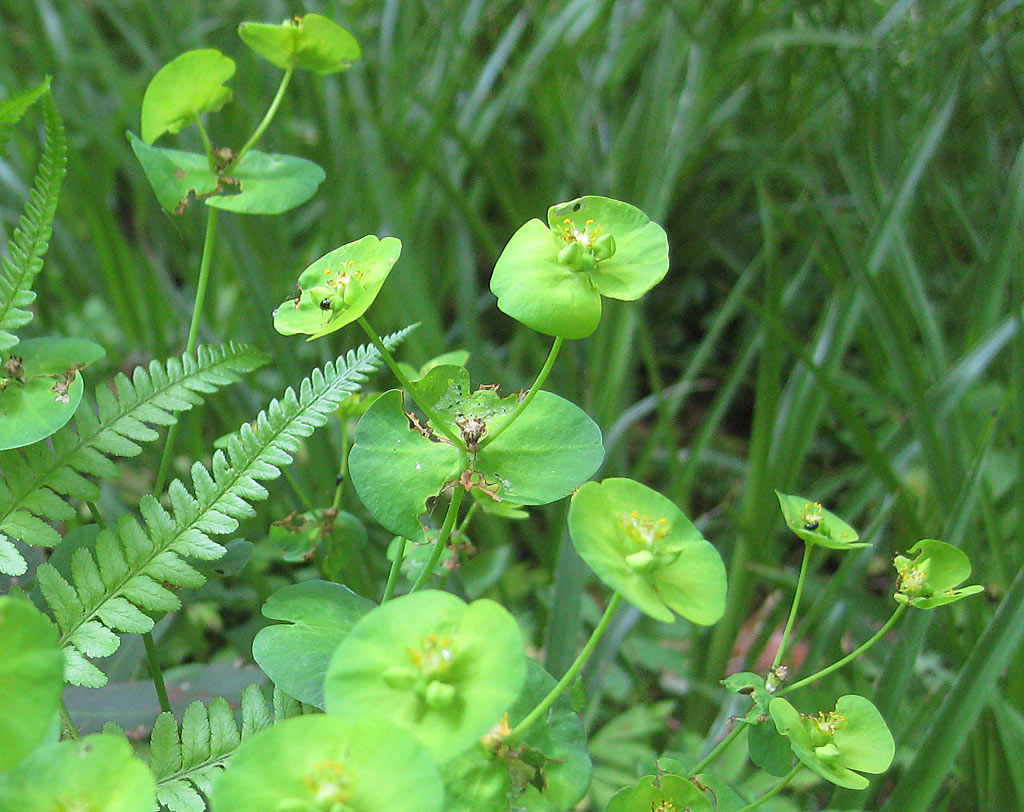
pixel 843 188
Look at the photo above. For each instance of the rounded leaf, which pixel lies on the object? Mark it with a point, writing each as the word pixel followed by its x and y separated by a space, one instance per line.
pixel 295 654
pixel 97 774
pixel 40 388
pixel 431 664
pixel 31 678
pixel 642 546
pixel 654 792
pixel 338 288
pixel 325 763
pixel 639 260
pixel 815 525
pixel 184 88
pixel 930 578
pixel 534 288
pixel 312 43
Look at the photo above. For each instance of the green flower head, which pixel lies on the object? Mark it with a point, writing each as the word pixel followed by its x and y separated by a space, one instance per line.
pixel 815 525
pixel 835 744
pixel 338 288
pixel 431 664
pixel 930 577
pixel 641 545
pixel 552 277
pixel 666 793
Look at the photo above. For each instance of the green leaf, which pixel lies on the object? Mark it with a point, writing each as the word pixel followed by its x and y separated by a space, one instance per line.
pixel 15 105
pixel 815 525
pixel 97 773
pixel 323 762
pixel 726 798
pixel 31 679
pixel 642 546
pixel 43 387
pixel 835 744
pixel 438 668
pixel 261 183
pixel 395 470
pixel 930 578
pixel 654 792
pixel 311 42
pixel 338 288
pixel 769 750
pixel 183 89
pixel 551 278
pixel 295 656
pixel 752 685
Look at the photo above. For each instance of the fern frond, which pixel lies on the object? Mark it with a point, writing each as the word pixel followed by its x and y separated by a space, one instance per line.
pixel 186 760
pixel 31 238
pixel 39 479
pixel 16 105
pixel 135 563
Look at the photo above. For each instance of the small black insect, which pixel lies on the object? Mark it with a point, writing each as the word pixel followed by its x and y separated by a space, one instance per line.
pixel 577 207
pixel 811 526
pixel 325 304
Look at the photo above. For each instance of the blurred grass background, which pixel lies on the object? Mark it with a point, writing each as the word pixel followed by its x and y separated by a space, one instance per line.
pixel 843 188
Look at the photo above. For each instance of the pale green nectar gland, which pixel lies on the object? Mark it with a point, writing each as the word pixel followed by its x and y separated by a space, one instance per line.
pixel 645 534
pixel 812 515
pixel 584 247
pixel 910 578
pixel 432 662
pixel 663 806
pixel 330 785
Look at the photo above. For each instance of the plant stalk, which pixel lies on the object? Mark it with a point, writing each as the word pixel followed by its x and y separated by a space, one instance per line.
pixel 773 791
pixel 442 540
pixel 67 723
pixel 155 672
pixel 435 422
pixel 804 567
pixel 719 748
pixel 853 655
pixel 537 384
pixel 396 567
pixel 271 112
pixel 567 678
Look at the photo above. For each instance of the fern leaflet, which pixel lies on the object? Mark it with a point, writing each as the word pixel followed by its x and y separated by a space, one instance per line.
pixel 15 106
pixel 186 760
pixel 27 247
pixel 38 480
pixel 134 564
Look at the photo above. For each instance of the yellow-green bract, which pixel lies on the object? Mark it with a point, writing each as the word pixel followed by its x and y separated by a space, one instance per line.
pixel 312 43
pixel 668 792
pixel 338 288
pixel 836 743
pixel 183 89
pixel 552 277
pixel 815 525
pixel 642 546
pixel 442 670
pixel 930 577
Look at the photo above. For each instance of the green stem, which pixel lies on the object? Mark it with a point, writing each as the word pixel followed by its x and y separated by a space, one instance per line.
pixel 68 723
pixel 155 672
pixel 442 539
pixel 339 487
pixel 193 338
pixel 718 749
pixel 567 678
pixel 396 566
pixel 773 791
pixel 853 655
pixel 96 517
pixel 537 384
pixel 207 144
pixel 271 112
pixel 307 503
pixel 804 566
pixel 435 422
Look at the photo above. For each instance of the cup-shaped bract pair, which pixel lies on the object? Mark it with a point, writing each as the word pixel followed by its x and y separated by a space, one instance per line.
pixel 840 744
pixel 338 288
pixel 552 277
pixel 931 575
pixel 815 525
pixel 311 42
pixel 642 546
pixel 665 793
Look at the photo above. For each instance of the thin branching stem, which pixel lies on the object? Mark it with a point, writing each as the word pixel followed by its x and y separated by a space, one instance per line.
pixel 271 112
pixel 442 540
pixel 396 567
pixel 718 749
pixel 773 791
pixel 537 384
pixel 784 642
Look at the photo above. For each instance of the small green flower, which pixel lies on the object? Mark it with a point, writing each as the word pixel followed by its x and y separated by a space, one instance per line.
pixel 431 664
pixel 666 793
pixel 930 577
pixel 641 545
pixel 836 743
pixel 338 288
pixel 552 277
pixel 815 525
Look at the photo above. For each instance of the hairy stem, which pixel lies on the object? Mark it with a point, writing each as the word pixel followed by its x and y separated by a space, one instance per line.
pixel 804 567
pixel 442 540
pixel 435 422
pixel 537 384
pixel 271 112
pixel 849 658
pixel 567 678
